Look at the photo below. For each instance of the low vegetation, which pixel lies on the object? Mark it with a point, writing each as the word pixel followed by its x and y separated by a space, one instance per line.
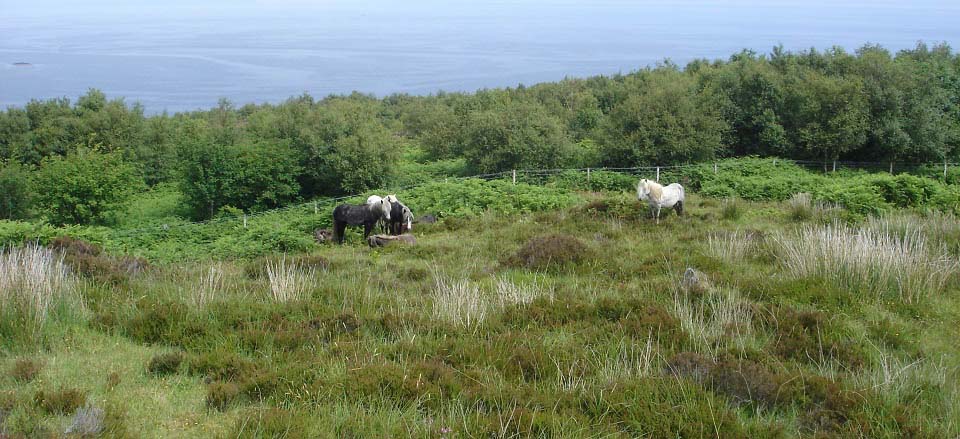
pixel 554 310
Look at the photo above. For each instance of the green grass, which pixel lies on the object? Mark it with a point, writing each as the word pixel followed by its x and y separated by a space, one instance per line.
pixel 566 319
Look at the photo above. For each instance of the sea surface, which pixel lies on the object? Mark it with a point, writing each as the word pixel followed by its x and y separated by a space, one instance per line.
pixel 180 55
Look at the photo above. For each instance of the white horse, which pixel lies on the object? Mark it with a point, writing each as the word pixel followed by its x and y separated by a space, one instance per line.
pixel 658 196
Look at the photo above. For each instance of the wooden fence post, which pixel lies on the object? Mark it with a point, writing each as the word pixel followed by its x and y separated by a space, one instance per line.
pixel 658 174
pixel 588 175
pixel 714 167
pixel 891 167
pixel 316 209
pixel 244 221
pixel 514 176
pixel 944 169
pixel 834 166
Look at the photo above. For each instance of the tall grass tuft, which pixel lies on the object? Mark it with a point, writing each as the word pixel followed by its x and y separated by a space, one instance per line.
pixel 458 301
pixel 877 262
pixel 210 285
pixel 720 319
pixel 289 281
pixel 733 246
pixel 510 293
pixel 627 360
pixel 33 280
pixel 731 209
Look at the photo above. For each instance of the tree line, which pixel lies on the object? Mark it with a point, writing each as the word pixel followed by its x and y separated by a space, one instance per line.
pixel 70 162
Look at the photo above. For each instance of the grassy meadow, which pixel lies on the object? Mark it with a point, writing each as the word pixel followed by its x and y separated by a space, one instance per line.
pixel 776 307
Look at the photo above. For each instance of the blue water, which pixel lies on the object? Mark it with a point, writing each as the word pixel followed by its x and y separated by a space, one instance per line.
pixel 178 56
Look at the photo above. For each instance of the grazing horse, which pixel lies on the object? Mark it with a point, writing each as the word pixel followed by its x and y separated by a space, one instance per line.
pixel 401 219
pixel 658 196
pixel 355 215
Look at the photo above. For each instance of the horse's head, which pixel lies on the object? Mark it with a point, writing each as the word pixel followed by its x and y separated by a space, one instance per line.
pixel 408 217
pixel 392 198
pixel 385 208
pixel 643 189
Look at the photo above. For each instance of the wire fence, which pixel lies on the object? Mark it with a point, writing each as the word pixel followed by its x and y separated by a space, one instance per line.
pixel 537 177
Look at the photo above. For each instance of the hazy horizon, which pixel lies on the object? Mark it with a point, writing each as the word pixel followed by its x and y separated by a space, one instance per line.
pixel 181 56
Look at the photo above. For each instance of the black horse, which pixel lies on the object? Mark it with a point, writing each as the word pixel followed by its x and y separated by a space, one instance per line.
pixel 355 215
pixel 401 219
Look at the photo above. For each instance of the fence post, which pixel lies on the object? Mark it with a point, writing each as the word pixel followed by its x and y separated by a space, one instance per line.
pixel 244 221
pixel 891 168
pixel 944 169
pixel 658 174
pixel 714 167
pixel 834 166
pixel 774 162
pixel 514 176
pixel 588 175
pixel 316 209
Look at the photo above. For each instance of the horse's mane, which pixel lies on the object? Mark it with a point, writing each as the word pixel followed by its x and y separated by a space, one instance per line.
pixel 656 189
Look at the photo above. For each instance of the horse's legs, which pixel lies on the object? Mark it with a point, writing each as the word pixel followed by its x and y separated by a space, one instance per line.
pixel 679 208
pixel 367 228
pixel 658 213
pixel 338 229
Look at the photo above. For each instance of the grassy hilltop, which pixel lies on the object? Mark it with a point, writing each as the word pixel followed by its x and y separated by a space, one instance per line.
pixel 554 307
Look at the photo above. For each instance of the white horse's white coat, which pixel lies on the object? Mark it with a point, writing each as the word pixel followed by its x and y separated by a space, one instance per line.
pixel 658 196
pixel 374 199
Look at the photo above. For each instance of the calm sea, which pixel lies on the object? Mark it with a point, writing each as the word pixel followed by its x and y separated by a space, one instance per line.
pixel 175 55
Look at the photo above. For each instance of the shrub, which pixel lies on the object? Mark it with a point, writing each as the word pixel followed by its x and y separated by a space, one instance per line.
pixel 221 394
pixel 472 197
pixel 165 364
pixel 599 180
pixel 248 177
pixel 25 369
pixel 16 191
pixel 63 401
pixel 549 251
pixel 84 187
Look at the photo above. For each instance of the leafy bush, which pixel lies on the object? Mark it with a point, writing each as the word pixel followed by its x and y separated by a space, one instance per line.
pixel 248 177
pixel 16 191
pixel 471 197
pixel 84 187
pixel 599 180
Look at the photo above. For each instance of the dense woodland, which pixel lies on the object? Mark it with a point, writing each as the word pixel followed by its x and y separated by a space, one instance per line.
pixel 88 156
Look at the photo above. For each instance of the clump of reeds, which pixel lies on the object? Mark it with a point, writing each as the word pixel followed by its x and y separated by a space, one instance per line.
pixel 33 280
pixel 458 301
pixel 289 281
pixel 869 260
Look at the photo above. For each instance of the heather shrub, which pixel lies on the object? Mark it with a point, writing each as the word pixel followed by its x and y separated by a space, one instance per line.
pixel 165 364
pixel 549 251
pixel 221 394
pixel 25 369
pixel 62 401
